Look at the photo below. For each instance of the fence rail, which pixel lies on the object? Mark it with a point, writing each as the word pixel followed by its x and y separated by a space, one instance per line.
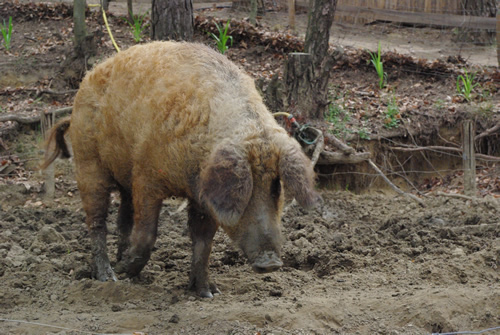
pixel 430 19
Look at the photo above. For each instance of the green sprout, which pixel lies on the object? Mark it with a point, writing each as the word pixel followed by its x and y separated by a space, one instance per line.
pixel 392 115
pixel 465 85
pixel 338 116
pixel 379 66
pixel 137 25
pixel 364 134
pixel 6 33
pixel 222 38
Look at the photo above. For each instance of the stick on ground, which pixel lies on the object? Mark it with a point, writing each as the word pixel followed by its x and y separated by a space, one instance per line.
pixel 394 187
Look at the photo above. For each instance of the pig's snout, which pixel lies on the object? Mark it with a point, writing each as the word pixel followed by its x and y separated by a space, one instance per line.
pixel 268 261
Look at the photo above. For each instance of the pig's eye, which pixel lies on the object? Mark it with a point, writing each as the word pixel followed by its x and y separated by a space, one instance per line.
pixel 276 187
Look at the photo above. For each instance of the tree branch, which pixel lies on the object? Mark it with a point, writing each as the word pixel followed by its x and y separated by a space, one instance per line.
pixel 488 132
pixel 436 147
pixel 32 119
pixel 329 158
pixel 394 187
pixel 347 150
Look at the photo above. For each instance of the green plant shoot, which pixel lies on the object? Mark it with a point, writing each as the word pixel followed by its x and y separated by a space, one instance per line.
pixel 392 115
pixel 6 33
pixel 379 66
pixel 137 26
pixel 222 38
pixel 465 85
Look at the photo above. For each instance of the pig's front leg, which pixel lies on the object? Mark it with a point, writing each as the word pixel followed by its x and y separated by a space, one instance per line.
pixel 202 228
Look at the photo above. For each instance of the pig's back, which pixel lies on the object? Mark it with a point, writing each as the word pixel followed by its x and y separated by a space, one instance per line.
pixel 154 103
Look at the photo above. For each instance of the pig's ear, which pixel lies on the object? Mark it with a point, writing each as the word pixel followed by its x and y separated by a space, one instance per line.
pixel 226 184
pixel 298 176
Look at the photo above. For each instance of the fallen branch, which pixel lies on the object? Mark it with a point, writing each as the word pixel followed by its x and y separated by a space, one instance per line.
pixel 394 187
pixel 50 92
pixel 38 92
pixel 436 147
pixel 320 145
pixel 331 157
pixel 454 195
pixel 488 132
pixel 347 150
pixel 32 119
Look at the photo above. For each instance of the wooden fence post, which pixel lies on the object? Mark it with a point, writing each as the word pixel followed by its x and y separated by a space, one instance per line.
pixel 291 14
pixel 498 32
pixel 46 122
pixel 469 158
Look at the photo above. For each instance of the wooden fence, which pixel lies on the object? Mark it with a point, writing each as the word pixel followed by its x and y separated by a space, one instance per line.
pixel 426 6
pixel 447 13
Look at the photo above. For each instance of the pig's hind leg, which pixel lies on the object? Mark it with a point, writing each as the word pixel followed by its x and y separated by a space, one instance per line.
pixel 202 228
pixel 142 236
pixel 95 187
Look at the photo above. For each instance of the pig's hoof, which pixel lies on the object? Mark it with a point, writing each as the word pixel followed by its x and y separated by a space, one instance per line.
pixel 105 274
pixel 130 266
pixel 209 292
pixel 121 267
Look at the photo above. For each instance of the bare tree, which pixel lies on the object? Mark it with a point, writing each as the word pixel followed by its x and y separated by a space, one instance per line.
pixel 172 20
pixel 486 8
pixel 307 74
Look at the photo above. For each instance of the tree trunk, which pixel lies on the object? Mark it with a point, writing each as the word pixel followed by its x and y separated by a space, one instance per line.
pixel 84 48
pixel 79 23
pixel 486 8
pixel 130 10
pixel 291 15
pixel 253 12
pixel 312 75
pixel 320 21
pixel 84 45
pixel 298 77
pixel 479 7
pixel 172 20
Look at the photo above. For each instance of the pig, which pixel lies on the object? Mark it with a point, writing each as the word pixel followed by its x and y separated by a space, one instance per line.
pixel 179 119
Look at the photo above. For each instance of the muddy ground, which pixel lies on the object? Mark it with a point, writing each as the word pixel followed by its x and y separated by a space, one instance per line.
pixel 375 263
pixel 372 264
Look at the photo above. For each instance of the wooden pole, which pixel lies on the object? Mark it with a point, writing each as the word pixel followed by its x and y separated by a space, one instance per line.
pixel 291 14
pixel 498 32
pixel 46 122
pixel 469 159
pixel 79 29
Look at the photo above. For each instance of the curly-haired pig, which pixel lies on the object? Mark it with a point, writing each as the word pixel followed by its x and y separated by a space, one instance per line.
pixel 179 119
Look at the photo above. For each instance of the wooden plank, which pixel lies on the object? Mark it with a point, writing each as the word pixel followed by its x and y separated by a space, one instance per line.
pixel 429 19
pixel 373 10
